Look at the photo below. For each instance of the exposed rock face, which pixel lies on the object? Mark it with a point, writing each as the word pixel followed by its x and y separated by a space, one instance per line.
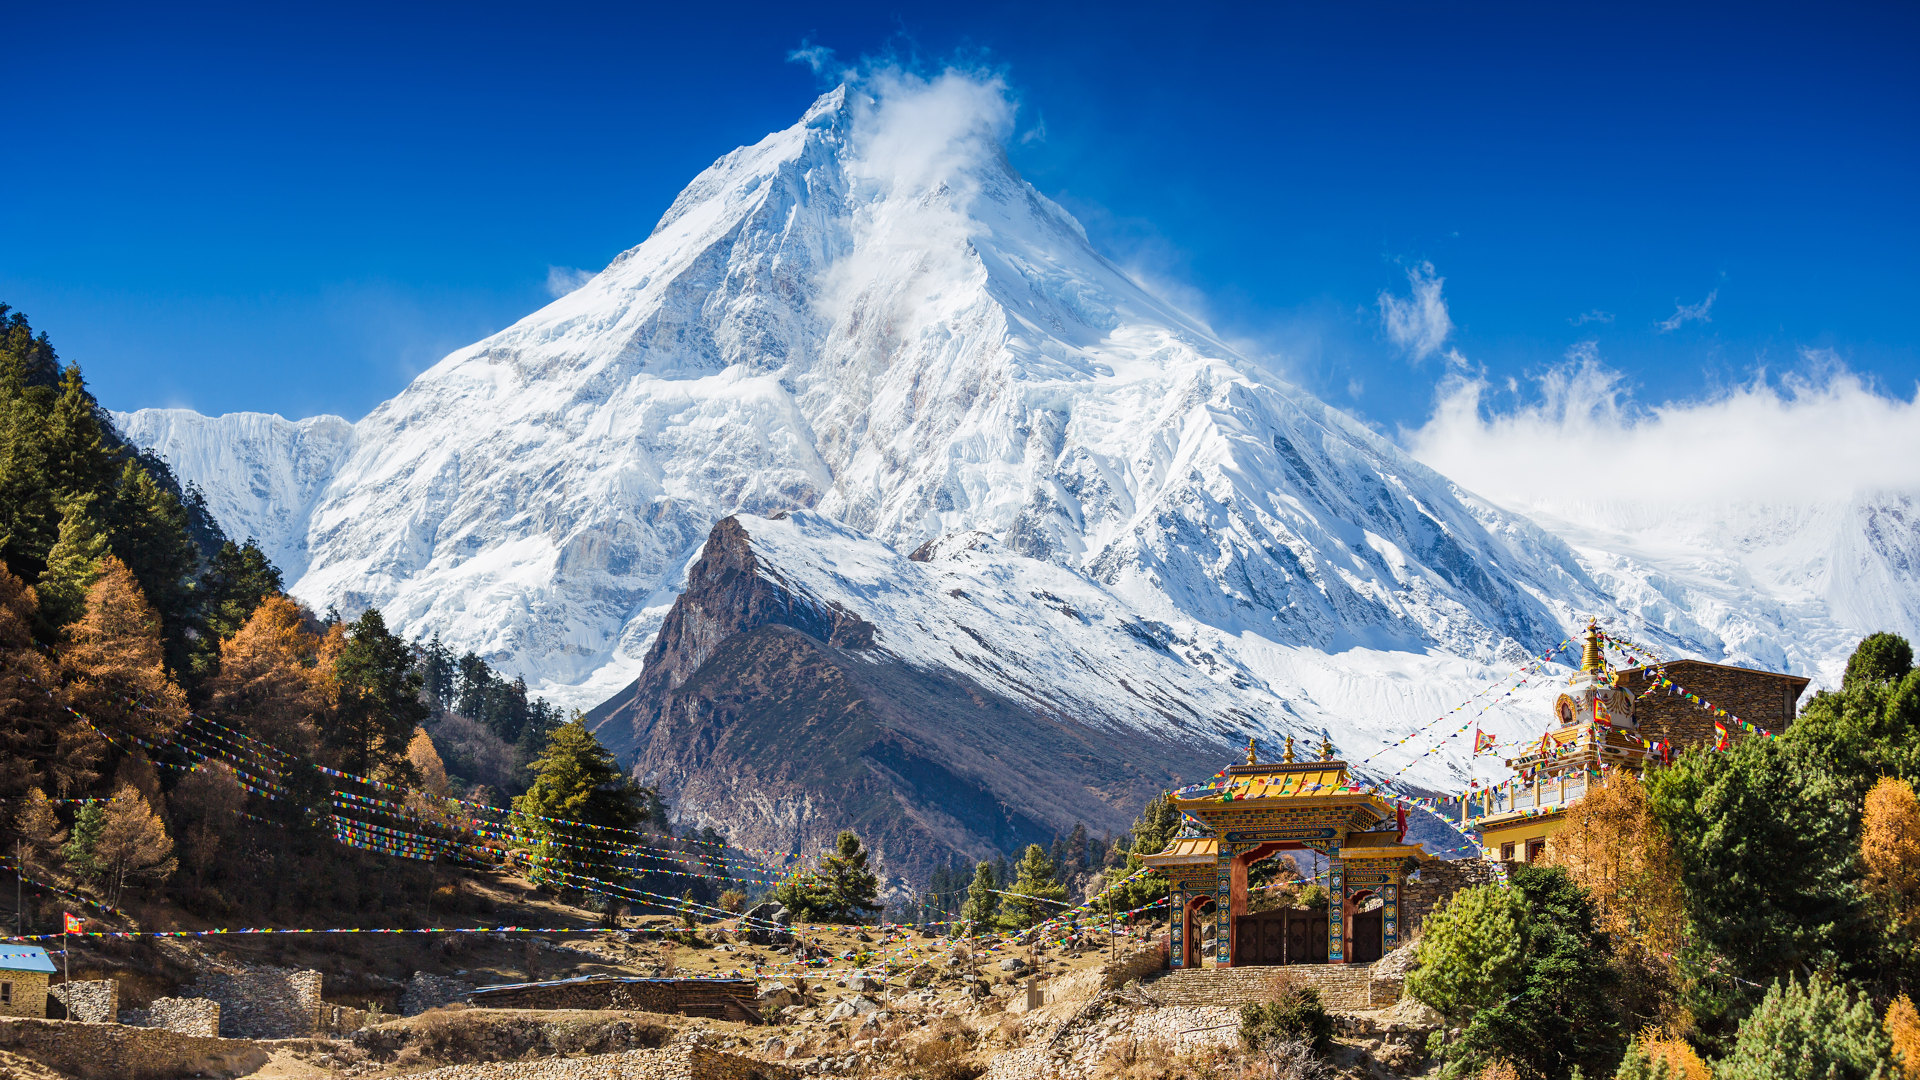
pixel 772 708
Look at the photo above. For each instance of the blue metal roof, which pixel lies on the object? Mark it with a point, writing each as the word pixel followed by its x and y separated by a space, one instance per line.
pixel 24 958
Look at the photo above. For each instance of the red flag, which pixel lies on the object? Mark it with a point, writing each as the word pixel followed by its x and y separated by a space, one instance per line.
pixel 1482 740
pixel 74 925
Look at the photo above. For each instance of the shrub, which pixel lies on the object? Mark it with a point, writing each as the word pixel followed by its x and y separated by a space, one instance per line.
pixel 1814 1029
pixel 1294 1015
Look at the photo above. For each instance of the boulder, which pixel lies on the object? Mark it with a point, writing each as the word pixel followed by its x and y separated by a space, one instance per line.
pixel 766 924
pixel 1013 964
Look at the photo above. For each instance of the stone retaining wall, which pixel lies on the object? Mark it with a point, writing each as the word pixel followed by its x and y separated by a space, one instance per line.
pixel 426 992
pixel 1138 963
pixel 1439 880
pixel 264 1003
pixel 1341 986
pixel 116 1052
pixel 188 1016
pixel 719 999
pixel 684 1062
pixel 91 1001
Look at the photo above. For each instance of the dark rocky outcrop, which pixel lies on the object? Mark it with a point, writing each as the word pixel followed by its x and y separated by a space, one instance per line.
pixel 778 720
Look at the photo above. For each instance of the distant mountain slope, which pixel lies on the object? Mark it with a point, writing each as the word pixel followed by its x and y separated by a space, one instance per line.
pixel 978 717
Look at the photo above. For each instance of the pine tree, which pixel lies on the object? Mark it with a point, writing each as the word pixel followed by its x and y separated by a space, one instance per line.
pixel 1640 1065
pixel 28 519
pixel 116 661
pixel 238 579
pixel 577 808
pixel 1036 882
pixel 74 563
pixel 983 899
pixel 81 850
pixel 1814 1029
pixel 840 890
pixel 1471 952
pixel 378 699
pixel 148 529
pixel 81 458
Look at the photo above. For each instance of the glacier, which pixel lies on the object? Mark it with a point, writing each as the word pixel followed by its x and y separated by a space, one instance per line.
pixel 872 318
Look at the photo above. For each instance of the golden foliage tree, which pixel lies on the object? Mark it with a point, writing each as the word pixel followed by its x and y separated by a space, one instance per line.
pixel 426 761
pixel 1612 846
pixel 40 832
pixel 133 844
pixel 1890 848
pixel 1903 1027
pixel 273 677
pixel 1680 1059
pixel 41 745
pixel 117 661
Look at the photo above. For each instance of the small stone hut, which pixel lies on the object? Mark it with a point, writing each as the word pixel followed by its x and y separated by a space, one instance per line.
pixel 23 980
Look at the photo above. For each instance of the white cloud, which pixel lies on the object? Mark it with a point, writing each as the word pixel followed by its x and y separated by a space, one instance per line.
pixel 817 57
pixel 1686 313
pixel 1583 438
pixel 1418 323
pixel 562 280
pixel 1596 315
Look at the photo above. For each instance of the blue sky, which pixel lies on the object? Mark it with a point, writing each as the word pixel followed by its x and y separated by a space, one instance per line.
pixel 297 210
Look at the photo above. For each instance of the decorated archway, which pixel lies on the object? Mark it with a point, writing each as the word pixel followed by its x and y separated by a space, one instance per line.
pixel 1255 810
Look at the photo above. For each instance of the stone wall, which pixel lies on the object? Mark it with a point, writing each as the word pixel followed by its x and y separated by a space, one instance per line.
pixel 1138 963
pixel 263 1003
pixel 188 1016
pixel 684 1062
pixel 426 991
pixel 1438 881
pixel 1762 698
pixel 26 994
pixel 1341 986
pixel 115 1052
pixel 341 1019
pixel 719 999
pixel 91 1001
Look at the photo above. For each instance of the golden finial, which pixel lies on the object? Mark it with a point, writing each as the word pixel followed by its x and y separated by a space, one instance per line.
pixel 1591 658
pixel 1288 760
pixel 1250 757
pixel 1326 747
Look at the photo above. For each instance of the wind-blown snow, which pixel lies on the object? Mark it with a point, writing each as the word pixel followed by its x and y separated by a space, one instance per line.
pixel 870 315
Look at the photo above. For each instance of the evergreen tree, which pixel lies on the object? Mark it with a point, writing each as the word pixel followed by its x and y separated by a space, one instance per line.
pixel 841 890
pixel 1640 1065
pixel 83 843
pixel 575 811
pixel 378 701
pixel 1562 1015
pixel 1814 1029
pixel 1879 658
pixel 148 530
pixel 74 563
pixel 238 578
pixel 28 518
pixel 1153 830
pixel 1026 903
pixel 1471 952
pixel 983 900
pixel 81 455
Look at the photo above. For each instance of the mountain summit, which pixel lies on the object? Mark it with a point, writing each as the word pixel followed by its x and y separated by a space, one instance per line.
pixel 872 317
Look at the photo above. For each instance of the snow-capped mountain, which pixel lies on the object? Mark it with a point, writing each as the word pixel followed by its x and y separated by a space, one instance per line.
pixel 870 315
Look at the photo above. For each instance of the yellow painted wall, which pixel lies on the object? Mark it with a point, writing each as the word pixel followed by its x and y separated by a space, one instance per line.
pixel 28 993
pixel 1518 833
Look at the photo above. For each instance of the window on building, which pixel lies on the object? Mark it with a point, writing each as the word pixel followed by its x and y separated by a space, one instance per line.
pixel 1506 852
pixel 6 993
pixel 1536 849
